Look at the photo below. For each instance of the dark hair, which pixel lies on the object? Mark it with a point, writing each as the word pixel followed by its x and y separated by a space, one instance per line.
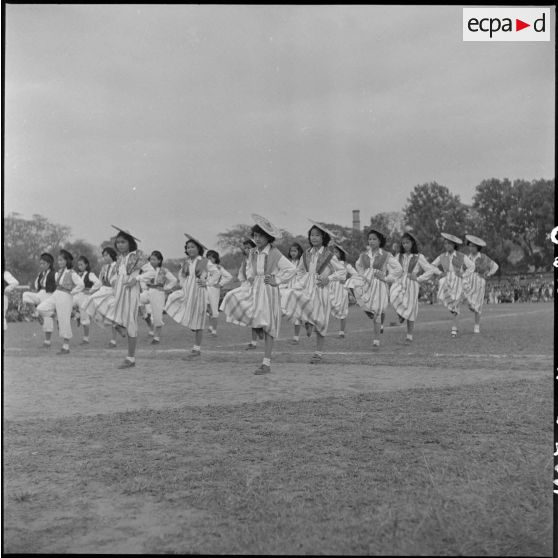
pixel 200 247
pixel 455 245
pixel 214 254
pixel 159 256
pixel 414 247
pixel 132 244
pixel 259 230
pixel 68 257
pixel 379 236
pixel 46 257
pixel 326 239
pixel 299 249
pixel 479 248
pixel 110 251
pixel 86 262
pixel 342 255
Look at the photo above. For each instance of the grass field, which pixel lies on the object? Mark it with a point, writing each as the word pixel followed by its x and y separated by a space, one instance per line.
pixel 440 448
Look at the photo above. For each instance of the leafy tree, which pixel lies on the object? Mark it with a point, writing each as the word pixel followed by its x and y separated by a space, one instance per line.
pixel 516 216
pixel 82 248
pixel 432 209
pixel 26 239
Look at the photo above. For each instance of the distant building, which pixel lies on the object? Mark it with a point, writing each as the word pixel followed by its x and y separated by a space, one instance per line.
pixel 356 219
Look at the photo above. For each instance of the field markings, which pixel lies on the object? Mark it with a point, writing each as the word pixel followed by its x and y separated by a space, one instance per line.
pixel 418 325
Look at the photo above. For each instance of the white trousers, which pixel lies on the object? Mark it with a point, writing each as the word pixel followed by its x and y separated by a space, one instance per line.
pixel 35 299
pixel 156 300
pixel 213 296
pixel 81 300
pixel 61 303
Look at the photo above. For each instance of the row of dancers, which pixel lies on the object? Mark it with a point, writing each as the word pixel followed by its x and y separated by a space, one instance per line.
pixel 307 286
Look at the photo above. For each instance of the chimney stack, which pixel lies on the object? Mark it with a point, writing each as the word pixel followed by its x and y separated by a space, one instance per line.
pixel 356 219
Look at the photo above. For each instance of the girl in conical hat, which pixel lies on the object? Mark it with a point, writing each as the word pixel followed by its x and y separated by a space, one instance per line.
pixel 404 292
pixel 455 267
pixel 310 303
pixel 377 269
pixel 259 307
pixel 188 306
pixel 123 311
pixel 475 285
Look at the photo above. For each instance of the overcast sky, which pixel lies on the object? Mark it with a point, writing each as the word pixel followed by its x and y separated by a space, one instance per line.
pixel 166 119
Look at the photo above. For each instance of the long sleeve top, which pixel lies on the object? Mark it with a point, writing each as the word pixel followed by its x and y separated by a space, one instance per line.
pixel 449 261
pixel 218 277
pixel 392 268
pixel 284 270
pixel 421 264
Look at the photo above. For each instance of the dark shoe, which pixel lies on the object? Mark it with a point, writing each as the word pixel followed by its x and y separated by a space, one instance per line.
pixel 371 315
pixel 262 369
pixel 341 335
pixel 126 364
pixel 63 352
pixel 316 359
pixel 294 342
pixel 155 341
pixel 375 348
pixel 381 328
pixel 309 328
pixel 84 342
pixel 112 345
pixel 250 347
pixel 121 330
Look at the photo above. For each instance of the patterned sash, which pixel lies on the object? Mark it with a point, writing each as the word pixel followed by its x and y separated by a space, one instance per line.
pixel 323 260
pixel 270 261
pixel 159 283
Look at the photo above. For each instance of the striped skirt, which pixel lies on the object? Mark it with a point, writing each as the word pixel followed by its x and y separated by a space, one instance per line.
pixel 309 303
pixel 450 292
pixel 124 308
pixel 473 291
pixel 339 300
pixel 188 306
pixel 99 303
pixel 371 294
pixel 403 295
pixel 257 307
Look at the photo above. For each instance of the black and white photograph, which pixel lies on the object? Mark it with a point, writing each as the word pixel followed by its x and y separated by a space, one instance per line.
pixel 278 279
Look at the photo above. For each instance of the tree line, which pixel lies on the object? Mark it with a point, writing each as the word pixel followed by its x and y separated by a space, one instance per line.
pixel 513 217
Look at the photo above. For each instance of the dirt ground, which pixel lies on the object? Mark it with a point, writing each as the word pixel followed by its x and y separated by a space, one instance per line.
pixel 40 385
